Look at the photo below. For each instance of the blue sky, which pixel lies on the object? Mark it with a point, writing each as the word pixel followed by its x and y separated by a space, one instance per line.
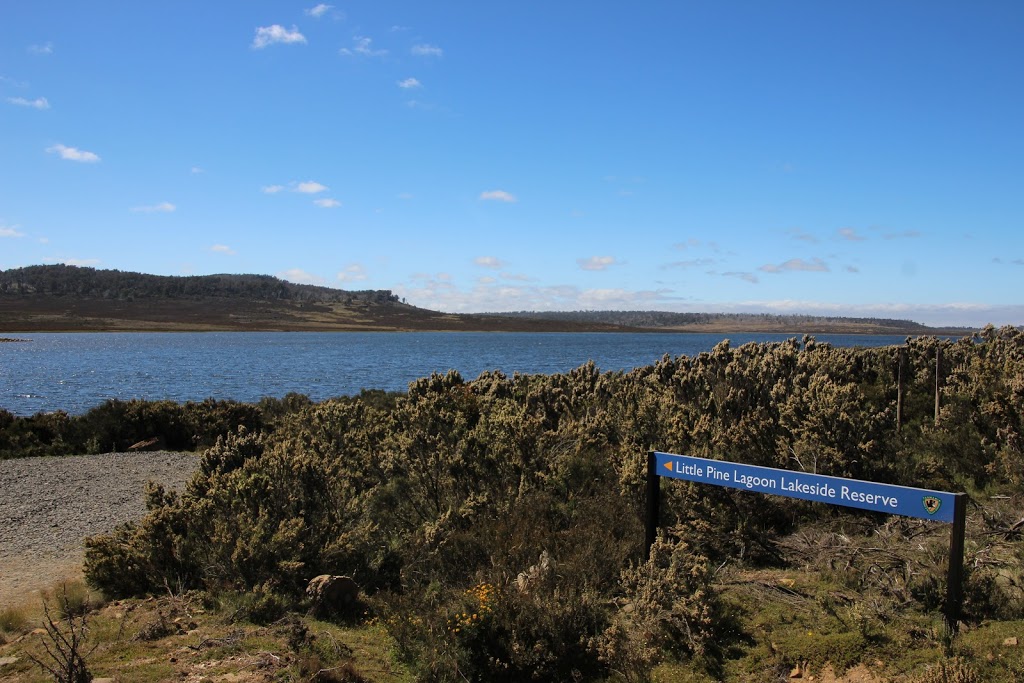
pixel 830 158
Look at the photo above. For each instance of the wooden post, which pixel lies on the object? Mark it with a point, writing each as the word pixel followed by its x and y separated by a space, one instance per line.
pixel 651 518
pixel 955 575
pixel 938 380
pixel 900 362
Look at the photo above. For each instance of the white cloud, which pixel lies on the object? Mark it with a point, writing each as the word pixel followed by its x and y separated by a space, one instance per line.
pixel 223 249
pixel 73 154
pixel 309 187
pixel 353 272
pixel 301 277
pixel 271 189
pixel 269 35
pixel 489 262
pixel 37 103
pixel 487 294
pixel 426 50
pixel 796 264
pixel 497 196
pixel 362 47
pixel 162 207
pixel 746 277
pixel 409 83
pixel 12 82
pixel 319 10
pixel 197 170
pixel 45 49
pixel 82 262
pixel 596 262
pixel 851 235
pixel 327 203
pixel 10 231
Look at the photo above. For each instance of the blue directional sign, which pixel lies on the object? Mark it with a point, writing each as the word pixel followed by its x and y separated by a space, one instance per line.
pixel 895 500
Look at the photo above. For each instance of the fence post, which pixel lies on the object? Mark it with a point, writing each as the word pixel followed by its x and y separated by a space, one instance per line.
pixel 651 518
pixel 955 576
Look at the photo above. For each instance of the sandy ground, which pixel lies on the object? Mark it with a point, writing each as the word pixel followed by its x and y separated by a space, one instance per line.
pixel 48 506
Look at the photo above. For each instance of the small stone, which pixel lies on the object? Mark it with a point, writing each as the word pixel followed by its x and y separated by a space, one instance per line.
pixel 1011 641
pixel 4 661
pixel 796 673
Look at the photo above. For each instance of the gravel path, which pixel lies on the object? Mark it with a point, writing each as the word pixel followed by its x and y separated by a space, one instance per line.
pixel 49 505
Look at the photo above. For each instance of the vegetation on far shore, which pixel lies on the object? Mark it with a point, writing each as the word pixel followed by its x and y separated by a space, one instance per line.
pixel 495 524
pixel 72 298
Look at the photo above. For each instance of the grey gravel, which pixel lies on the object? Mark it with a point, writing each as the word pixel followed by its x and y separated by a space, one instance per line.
pixel 48 506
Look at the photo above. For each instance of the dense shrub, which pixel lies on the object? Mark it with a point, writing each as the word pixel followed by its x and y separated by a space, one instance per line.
pixel 533 486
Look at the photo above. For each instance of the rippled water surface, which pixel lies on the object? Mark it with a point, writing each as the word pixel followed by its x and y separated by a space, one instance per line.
pixel 75 372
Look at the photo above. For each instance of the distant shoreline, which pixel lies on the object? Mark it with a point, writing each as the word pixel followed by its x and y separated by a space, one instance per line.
pixel 940 332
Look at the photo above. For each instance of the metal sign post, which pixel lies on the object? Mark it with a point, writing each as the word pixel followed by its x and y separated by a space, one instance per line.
pixel 938 506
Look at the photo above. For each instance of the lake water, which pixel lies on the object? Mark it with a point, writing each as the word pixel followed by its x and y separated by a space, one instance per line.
pixel 76 372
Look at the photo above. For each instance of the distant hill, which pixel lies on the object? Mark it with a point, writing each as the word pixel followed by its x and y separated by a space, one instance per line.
pixel 74 281
pixel 72 298
pixel 750 322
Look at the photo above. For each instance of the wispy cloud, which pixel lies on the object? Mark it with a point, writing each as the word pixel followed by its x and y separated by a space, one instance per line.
pixel 742 275
pixel 851 235
pixel 318 11
pixel 489 262
pixel 799 234
pixel 691 243
pixel 44 49
pixel 906 234
pixel 12 82
pixel 197 170
pixel 497 196
pixel 852 269
pixel 301 277
pixel 10 231
pixel 353 272
pixel 691 263
pixel 81 262
pixel 223 249
pixel 162 207
pixel 300 187
pixel 597 262
pixel 73 154
pixel 426 50
pixel 309 187
pixel 409 83
pixel 362 47
pixel 270 35
pixel 37 103
pixel 796 264
pixel 327 203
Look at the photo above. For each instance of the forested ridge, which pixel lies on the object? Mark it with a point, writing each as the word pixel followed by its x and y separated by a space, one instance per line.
pixel 76 281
